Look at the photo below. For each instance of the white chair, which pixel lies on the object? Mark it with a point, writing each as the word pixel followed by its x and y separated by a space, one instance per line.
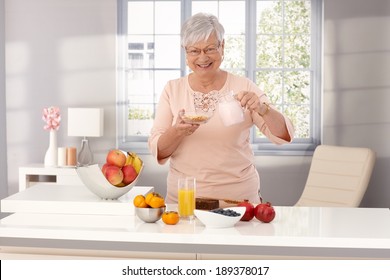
pixel 338 176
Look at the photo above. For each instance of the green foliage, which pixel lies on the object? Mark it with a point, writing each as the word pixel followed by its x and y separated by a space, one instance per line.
pixel 282 58
pixel 140 114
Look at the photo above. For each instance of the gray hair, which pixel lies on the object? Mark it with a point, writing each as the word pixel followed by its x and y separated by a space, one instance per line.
pixel 199 27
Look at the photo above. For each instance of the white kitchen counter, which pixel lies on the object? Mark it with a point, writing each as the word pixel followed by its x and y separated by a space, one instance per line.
pixel 296 231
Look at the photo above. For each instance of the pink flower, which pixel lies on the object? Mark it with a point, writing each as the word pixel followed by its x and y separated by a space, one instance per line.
pixel 51 116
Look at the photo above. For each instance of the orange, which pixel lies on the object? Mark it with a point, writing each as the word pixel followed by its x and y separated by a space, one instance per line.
pixel 139 201
pixel 154 200
pixel 170 217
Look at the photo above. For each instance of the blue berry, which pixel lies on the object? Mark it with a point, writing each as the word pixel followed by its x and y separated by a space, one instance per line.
pixel 227 212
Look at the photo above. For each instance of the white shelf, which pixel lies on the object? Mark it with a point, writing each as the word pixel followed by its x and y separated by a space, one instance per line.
pixel 30 175
pixel 71 199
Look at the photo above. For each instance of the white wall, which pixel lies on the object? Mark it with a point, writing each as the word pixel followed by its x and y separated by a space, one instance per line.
pixel 357 84
pixel 58 52
pixel 62 52
pixel 3 143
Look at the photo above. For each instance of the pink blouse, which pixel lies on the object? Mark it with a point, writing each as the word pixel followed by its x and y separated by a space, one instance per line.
pixel 219 157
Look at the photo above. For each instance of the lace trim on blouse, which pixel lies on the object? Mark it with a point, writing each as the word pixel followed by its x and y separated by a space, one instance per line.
pixel 206 101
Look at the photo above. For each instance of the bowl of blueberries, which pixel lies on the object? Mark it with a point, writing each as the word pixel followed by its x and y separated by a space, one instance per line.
pixel 220 217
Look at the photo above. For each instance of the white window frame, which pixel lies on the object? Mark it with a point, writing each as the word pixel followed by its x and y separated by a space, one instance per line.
pixel 260 146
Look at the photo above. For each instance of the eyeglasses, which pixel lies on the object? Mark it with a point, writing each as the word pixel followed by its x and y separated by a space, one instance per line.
pixel 209 50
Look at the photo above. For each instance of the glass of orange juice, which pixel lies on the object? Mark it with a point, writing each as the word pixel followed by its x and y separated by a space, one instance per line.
pixel 186 197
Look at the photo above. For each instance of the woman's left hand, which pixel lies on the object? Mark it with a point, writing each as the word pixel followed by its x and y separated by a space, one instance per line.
pixel 249 100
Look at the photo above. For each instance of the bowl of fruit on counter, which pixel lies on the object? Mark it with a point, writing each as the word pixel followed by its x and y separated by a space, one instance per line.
pixel 115 177
pixel 220 217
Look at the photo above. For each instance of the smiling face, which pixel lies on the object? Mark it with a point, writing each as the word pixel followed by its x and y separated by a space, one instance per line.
pixel 205 57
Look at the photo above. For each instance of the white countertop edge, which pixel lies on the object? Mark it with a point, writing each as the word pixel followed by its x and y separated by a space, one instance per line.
pixel 198 239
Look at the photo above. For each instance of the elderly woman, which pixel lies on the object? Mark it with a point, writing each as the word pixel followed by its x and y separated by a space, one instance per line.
pixel 218 156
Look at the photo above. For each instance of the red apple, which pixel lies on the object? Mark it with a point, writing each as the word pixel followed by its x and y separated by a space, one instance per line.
pixel 116 157
pixel 249 212
pixel 129 174
pixel 264 212
pixel 114 175
pixel 104 167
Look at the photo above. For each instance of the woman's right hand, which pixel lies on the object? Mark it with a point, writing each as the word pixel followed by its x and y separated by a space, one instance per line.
pixel 183 128
pixel 171 138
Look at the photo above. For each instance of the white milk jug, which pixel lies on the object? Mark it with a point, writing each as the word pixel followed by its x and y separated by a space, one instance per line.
pixel 230 109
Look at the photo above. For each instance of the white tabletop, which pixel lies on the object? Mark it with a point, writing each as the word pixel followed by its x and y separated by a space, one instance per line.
pixel 69 199
pixel 298 231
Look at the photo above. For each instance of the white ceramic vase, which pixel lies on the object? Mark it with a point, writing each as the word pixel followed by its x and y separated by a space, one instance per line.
pixel 51 153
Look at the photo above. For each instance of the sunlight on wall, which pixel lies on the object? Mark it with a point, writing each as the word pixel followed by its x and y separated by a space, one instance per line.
pixel 20 55
pixel 86 52
pixel 359 48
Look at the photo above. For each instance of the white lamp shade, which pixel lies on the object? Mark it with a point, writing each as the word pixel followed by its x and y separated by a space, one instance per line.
pixel 85 122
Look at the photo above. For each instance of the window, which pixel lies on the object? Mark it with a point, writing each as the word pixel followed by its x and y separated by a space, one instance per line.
pixel 275 43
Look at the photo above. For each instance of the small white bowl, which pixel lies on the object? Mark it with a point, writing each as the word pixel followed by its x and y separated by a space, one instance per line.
pixel 215 220
pixel 198 117
pixel 93 178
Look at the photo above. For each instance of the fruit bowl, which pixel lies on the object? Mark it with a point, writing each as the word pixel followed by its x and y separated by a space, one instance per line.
pixel 149 215
pixel 196 117
pixel 216 220
pixel 93 178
